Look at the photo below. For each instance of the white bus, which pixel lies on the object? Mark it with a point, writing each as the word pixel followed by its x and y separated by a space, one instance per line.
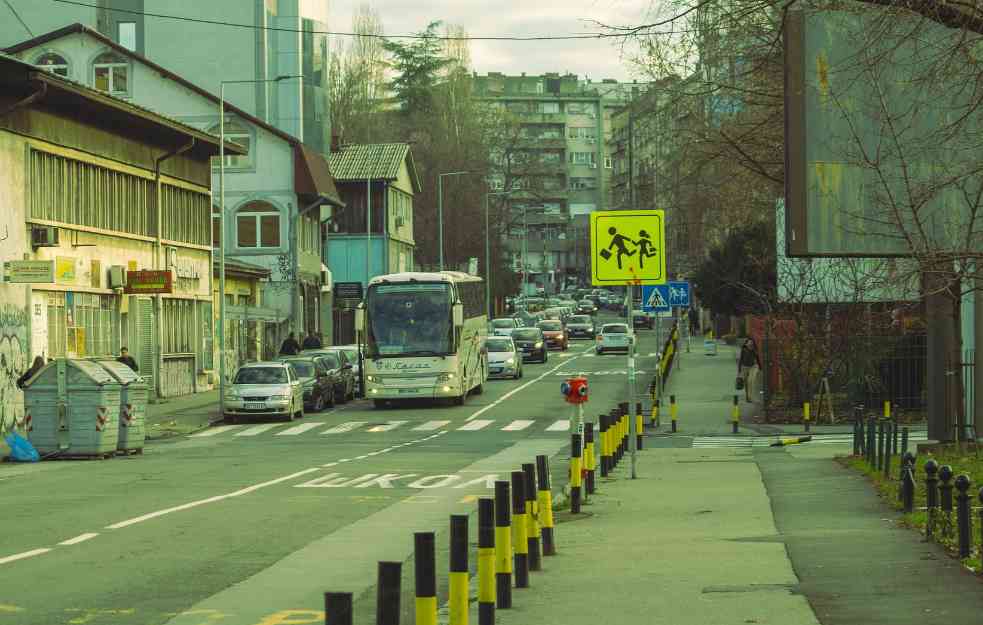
pixel 424 336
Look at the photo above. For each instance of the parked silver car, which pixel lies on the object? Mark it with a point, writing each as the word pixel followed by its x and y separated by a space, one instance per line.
pixel 504 359
pixel 503 326
pixel 264 389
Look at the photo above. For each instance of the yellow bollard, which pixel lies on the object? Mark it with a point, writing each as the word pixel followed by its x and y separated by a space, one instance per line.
pixel 806 415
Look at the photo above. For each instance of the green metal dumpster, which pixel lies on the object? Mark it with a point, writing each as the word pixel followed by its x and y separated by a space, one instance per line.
pixel 132 406
pixel 72 409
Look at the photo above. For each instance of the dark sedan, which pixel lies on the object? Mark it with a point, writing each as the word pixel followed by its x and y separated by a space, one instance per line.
pixel 337 362
pixel 318 384
pixel 531 343
pixel 581 326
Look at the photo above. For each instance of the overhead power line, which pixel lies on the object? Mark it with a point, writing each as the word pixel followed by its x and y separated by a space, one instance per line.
pixel 622 33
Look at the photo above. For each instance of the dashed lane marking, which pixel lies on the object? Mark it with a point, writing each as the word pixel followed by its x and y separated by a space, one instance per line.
pixel 24 555
pixel 81 538
pixel 517 425
pixel 560 426
pixel 430 426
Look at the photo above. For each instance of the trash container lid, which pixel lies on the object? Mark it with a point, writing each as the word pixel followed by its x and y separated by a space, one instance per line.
pixel 120 372
pixel 79 371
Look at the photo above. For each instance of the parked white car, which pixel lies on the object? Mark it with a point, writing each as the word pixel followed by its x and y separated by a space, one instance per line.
pixel 264 389
pixel 503 326
pixel 614 337
pixel 504 359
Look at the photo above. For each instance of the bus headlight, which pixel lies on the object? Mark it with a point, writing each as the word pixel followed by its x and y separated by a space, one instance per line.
pixel 510 361
pixel 447 389
pixel 538 345
pixel 445 377
pixel 371 378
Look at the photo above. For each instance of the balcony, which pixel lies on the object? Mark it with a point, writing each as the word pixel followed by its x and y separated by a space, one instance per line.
pixel 543 143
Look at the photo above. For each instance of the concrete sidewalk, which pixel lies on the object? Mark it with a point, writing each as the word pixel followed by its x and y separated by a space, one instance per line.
pixel 180 415
pixel 691 541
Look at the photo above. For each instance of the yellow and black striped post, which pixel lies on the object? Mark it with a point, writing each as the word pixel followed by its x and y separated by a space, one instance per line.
pixel 458 582
pixel 673 411
pixel 388 585
pixel 735 414
pixel 535 559
pixel 545 504
pixel 520 530
pixel 624 409
pixel 425 566
pixel 503 545
pixel 639 426
pixel 792 440
pixel 338 608
pixel 486 561
pixel 806 415
pixel 590 462
pixel 605 456
pixel 575 460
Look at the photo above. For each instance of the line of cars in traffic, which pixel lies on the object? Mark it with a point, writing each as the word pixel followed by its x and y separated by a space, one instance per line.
pixel 288 387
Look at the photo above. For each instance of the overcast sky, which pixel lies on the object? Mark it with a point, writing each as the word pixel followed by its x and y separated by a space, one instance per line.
pixel 596 59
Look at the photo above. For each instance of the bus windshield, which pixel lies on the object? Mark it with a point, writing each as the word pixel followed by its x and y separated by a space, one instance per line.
pixel 409 319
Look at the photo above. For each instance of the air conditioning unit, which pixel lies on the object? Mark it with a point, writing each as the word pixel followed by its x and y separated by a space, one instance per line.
pixel 44 236
pixel 117 277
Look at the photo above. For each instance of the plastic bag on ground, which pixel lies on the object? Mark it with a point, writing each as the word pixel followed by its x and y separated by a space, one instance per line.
pixel 21 450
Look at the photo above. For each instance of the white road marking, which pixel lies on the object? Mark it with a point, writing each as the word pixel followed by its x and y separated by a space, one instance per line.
pixel 258 429
pixel 707 442
pixel 344 427
pixel 475 425
pixel 81 538
pixel 392 425
pixel 517 389
pixel 299 429
pixel 518 424
pixel 218 429
pixel 429 426
pixel 201 502
pixel 560 426
pixel 24 555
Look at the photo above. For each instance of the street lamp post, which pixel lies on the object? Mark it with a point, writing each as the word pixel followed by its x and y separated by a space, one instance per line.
pixel 440 210
pixel 488 254
pixel 221 228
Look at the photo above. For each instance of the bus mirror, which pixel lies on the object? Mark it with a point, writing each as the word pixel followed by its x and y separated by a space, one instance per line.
pixel 458 313
pixel 360 319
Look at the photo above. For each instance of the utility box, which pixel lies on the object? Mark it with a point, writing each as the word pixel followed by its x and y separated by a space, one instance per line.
pixel 132 406
pixel 71 408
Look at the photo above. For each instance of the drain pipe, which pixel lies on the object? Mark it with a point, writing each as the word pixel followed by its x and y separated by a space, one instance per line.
pixel 159 299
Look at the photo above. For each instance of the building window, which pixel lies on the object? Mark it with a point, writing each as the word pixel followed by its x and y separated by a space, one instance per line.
pixel 607 162
pixel 588 133
pixel 53 63
pixel 582 158
pixel 126 35
pixel 111 73
pixel 238 134
pixel 216 227
pixel 81 325
pixel 258 225
pixel 579 184
pixel 549 107
pixel 178 326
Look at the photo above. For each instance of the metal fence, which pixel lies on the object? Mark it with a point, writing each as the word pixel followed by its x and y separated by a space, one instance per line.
pixel 837 373
pixel 960 396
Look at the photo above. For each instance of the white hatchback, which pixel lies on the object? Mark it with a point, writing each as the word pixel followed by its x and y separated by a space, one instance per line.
pixel 614 337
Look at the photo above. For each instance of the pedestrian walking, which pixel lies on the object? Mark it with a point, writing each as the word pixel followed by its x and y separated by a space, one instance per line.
pixel 35 367
pixel 748 365
pixel 313 341
pixel 694 321
pixel 290 346
pixel 126 359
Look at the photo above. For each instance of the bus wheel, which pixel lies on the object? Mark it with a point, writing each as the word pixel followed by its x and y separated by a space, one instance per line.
pixel 459 400
pixel 379 403
pixel 478 390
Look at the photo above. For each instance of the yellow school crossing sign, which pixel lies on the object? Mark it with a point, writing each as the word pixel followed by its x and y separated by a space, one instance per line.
pixel 628 247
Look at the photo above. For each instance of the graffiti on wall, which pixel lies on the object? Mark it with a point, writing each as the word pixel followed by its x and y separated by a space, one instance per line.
pixel 14 360
pixel 177 377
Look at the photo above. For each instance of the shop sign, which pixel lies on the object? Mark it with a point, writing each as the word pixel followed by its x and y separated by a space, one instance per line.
pixel 29 271
pixel 348 290
pixel 149 282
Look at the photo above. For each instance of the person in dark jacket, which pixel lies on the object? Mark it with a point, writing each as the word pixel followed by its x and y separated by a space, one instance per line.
pixel 312 341
pixel 748 365
pixel 126 359
pixel 35 367
pixel 290 346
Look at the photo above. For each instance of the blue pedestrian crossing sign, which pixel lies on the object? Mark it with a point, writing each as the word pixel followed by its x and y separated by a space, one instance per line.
pixel 679 294
pixel 656 298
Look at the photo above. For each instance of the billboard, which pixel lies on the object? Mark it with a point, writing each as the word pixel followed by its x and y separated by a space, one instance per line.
pixel 883 133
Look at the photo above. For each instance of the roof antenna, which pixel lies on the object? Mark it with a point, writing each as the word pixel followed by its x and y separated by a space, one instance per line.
pixel 14 11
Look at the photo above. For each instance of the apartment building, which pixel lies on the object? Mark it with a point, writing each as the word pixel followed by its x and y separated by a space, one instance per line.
pixel 558 168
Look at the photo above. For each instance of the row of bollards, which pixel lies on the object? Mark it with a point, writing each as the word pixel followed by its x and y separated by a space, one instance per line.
pixel 515 529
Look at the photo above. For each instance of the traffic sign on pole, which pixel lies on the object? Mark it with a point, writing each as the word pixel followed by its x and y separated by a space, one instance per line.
pixel 628 247
pixel 679 294
pixel 656 298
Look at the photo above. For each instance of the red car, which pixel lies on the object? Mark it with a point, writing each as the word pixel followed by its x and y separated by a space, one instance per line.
pixel 554 334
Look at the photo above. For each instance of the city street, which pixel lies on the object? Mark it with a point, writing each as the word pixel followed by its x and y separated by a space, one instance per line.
pixel 251 520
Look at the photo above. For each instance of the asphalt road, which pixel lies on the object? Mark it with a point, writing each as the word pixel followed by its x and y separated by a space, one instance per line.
pixel 250 524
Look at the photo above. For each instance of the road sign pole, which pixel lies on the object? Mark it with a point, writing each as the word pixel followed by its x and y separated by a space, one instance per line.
pixel 632 434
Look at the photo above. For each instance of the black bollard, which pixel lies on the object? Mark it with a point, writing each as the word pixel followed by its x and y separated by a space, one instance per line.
pixel 387 593
pixel 425 576
pixel 575 480
pixel 894 437
pixel 858 418
pixel 486 561
pixel 544 504
pixel 503 545
pixel 532 512
pixel 904 440
pixel 945 498
pixel 458 573
pixel 908 483
pixel 337 608
pixel 520 530
pixel 889 449
pixel 880 446
pixel 962 513
pixel 856 438
pixel 931 495
pixel 871 441
pixel 590 460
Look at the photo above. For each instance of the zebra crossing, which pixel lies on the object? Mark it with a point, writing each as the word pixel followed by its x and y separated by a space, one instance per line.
pixel 766 441
pixel 324 429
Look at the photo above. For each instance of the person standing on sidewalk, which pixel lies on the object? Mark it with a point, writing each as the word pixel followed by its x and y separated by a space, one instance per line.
pixel 313 341
pixel 290 346
pixel 126 359
pixel 748 365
